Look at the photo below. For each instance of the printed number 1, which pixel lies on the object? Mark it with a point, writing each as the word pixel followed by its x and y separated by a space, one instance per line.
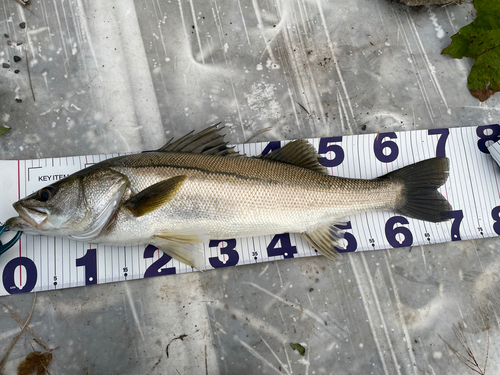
pixel 89 261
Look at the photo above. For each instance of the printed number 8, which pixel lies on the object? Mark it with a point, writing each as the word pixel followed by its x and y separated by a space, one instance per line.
pixel 483 138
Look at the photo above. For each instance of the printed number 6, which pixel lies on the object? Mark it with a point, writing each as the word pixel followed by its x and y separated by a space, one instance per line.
pixel 379 145
pixel 391 232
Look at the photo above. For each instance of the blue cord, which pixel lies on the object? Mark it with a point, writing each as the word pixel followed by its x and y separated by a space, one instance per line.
pixel 8 245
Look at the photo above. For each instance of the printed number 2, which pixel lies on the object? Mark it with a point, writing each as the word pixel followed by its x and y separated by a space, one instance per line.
pixel 483 138
pixel 89 261
pixel 155 269
pixel 229 250
pixel 8 275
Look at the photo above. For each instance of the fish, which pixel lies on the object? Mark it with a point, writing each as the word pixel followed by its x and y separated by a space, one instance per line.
pixel 199 188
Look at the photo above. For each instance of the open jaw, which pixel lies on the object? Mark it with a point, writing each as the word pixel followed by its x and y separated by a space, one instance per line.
pixel 32 216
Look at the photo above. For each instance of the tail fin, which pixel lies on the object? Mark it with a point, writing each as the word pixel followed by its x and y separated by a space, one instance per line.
pixel 421 199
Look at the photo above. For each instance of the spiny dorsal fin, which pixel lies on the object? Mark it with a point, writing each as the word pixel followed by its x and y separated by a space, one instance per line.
pixel 300 153
pixel 324 239
pixel 154 196
pixel 207 142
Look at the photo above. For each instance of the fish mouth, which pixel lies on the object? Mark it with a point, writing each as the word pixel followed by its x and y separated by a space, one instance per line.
pixel 32 216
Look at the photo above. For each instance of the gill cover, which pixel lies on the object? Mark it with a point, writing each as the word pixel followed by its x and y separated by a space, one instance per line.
pixel 79 206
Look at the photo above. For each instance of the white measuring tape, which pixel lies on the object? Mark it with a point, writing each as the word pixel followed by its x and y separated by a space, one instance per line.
pixel 39 263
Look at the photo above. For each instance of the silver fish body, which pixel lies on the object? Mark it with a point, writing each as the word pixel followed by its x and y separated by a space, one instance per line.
pixel 196 189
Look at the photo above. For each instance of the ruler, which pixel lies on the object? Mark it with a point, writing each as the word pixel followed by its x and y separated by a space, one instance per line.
pixel 38 263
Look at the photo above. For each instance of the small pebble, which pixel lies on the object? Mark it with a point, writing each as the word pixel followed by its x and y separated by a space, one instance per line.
pixel 17 58
pixel 19 100
pixel 19 42
pixel 363 127
pixel 6 35
pixel 22 25
pixel 16 71
pixel 9 43
pixel 5 65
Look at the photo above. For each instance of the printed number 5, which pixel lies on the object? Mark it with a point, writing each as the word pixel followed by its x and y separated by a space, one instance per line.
pixel 326 146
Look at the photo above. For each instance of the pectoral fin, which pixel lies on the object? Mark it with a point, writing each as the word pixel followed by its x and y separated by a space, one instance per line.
pixel 179 245
pixel 154 196
pixel 324 239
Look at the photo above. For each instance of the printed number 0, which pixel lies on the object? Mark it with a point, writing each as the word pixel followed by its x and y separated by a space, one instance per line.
pixel 229 250
pixel 391 232
pixel 379 145
pixel 8 275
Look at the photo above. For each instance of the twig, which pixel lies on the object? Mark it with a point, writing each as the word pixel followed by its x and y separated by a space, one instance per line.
pixel 21 323
pixel 25 6
pixel 181 337
pixel 83 351
pixel 469 360
pixel 4 359
pixel 301 106
pixel 26 56
pixel 258 133
pixel 456 3
pixel 206 361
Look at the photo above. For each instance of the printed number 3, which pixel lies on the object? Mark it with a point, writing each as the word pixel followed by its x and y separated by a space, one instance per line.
pixel 229 250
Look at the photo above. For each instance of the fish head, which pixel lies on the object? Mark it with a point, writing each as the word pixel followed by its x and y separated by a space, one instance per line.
pixel 78 206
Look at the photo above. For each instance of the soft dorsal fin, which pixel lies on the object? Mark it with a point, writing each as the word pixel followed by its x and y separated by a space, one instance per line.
pixel 300 153
pixel 154 196
pixel 208 142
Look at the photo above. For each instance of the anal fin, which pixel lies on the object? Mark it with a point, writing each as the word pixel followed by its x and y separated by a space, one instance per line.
pixel 154 196
pixel 325 238
pixel 183 246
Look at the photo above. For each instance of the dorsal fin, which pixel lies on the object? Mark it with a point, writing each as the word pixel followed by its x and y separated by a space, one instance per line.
pixel 300 153
pixel 207 142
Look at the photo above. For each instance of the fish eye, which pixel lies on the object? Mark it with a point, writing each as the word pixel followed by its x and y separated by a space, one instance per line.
pixel 46 193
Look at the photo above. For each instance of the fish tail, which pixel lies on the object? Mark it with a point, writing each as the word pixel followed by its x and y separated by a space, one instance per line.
pixel 420 197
